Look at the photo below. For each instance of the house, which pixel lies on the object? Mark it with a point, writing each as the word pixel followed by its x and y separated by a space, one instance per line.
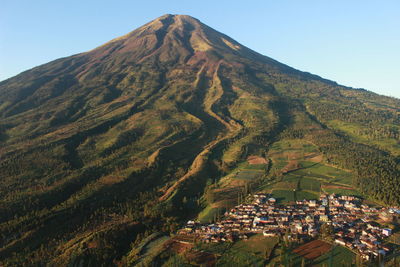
pixel 387 231
pixel 312 203
pixel 324 218
pixel 299 228
pixel 340 241
pixel 269 233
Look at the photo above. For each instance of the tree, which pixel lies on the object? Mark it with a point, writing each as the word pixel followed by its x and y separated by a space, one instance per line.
pixel 327 231
pixel 303 262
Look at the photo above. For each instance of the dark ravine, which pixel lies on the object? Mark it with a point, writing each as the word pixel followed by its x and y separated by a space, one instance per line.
pixel 123 140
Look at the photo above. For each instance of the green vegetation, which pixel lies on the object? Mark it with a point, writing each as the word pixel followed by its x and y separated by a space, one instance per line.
pixel 254 251
pixel 147 250
pixel 231 190
pixel 298 165
pixel 209 214
pixel 386 138
pixel 340 256
pixel 283 196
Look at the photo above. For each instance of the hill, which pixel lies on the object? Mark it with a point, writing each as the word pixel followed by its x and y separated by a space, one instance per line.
pixel 102 148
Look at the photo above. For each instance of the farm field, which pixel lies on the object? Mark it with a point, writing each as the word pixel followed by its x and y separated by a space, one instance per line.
pixel 207 214
pixel 247 171
pixel 212 211
pixel 257 244
pixel 251 252
pixel 321 171
pixel 149 248
pixel 342 191
pixel 226 191
pixel 340 257
pixel 284 196
pixel 313 249
pixel 248 175
pixel 318 253
pixel 297 164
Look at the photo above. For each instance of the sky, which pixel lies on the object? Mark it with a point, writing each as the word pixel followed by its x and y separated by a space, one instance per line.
pixel 355 43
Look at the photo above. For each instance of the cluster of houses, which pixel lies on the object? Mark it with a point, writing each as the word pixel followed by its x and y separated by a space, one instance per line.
pixel 354 224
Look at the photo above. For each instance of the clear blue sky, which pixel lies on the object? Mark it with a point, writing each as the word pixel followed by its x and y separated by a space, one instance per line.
pixel 356 43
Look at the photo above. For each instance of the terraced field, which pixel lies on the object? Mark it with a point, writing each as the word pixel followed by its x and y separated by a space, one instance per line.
pixel 283 196
pixel 232 188
pixel 251 252
pixel 319 253
pixel 148 249
pixel 298 165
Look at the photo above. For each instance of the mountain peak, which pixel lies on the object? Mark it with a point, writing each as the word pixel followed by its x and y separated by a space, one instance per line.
pixel 178 16
pixel 175 38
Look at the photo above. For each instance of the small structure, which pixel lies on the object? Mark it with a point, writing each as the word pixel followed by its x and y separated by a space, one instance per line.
pixel 387 231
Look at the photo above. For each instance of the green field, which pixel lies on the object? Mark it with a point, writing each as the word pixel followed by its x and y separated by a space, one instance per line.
pixel 283 196
pixel 229 187
pixel 341 257
pixel 311 174
pixel 246 166
pixel 257 244
pixel 321 171
pixel 246 171
pixel 248 174
pixel 309 183
pixel 209 214
pixel 148 249
pixel 293 145
pixel 242 253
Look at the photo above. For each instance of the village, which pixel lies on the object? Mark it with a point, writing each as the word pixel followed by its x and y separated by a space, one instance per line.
pixel 354 224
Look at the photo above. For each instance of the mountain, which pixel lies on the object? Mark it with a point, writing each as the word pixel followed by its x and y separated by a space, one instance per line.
pixel 102 148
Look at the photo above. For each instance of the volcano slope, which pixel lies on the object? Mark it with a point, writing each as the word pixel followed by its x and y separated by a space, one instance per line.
pixel 101 148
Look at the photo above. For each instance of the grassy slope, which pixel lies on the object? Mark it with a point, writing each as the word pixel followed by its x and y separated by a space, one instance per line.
pixel 242 253
pixel 352 130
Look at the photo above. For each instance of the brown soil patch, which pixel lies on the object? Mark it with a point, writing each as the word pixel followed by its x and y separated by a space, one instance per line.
pixel 231 184
pixel 285 185
pixel 291 166
pixel 314 157
pixel 226 197
pixel 293 155
pixel 201 258
pixel 177 247
pixel 252 160
pixel 313 249
pixel 92 244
